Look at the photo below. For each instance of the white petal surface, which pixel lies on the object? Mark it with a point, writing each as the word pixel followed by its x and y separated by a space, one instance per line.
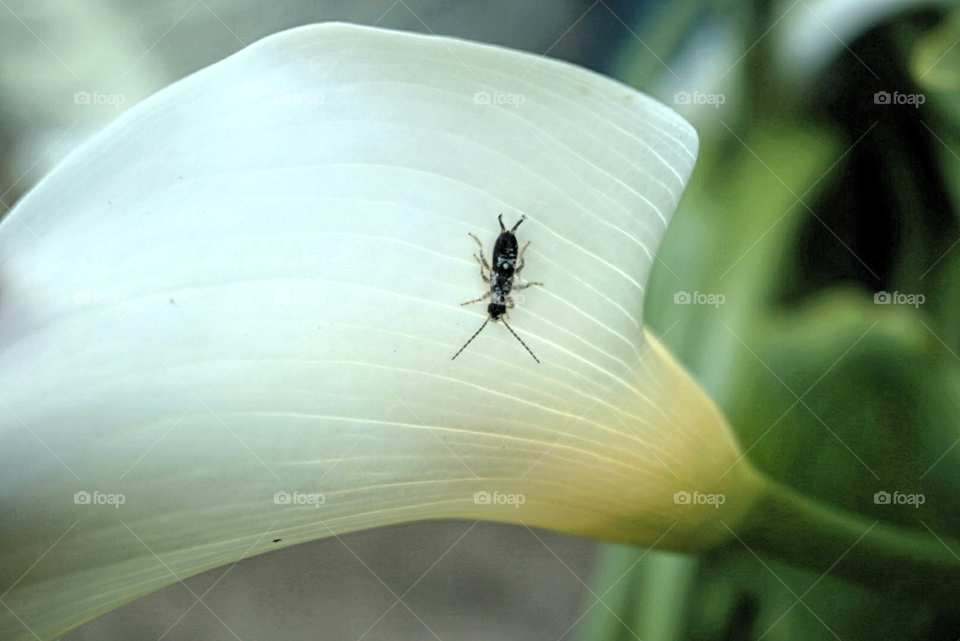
pixel 251 284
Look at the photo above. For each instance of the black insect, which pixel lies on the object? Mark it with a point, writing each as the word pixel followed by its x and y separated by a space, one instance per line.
pixel 507 264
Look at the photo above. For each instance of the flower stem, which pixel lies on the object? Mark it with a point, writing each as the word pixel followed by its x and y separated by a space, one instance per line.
pixel 805 533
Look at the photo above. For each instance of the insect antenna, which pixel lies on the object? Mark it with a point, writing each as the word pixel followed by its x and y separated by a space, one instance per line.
pixel 515 336
pixel 473 337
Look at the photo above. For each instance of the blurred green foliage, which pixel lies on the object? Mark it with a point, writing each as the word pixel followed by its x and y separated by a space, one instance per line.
pixel 808 199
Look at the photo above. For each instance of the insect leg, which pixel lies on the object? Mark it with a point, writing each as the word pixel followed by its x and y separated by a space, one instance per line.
pixel 520 262
pixel 484 258
pixel 525 285
pixel 470 302
pixel 483 274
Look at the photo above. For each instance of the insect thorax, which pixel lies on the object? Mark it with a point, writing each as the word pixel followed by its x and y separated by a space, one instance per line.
pixel 501 283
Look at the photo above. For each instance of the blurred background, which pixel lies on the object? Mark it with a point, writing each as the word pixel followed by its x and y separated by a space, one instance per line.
pixel 810 281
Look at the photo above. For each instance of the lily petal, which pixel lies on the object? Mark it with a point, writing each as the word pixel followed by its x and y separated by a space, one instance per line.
pixel 250 285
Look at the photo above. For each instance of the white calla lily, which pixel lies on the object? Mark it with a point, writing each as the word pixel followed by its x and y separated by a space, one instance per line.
pixel 250 284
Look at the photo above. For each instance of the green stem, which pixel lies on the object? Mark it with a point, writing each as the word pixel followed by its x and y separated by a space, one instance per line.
pixel 802 532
